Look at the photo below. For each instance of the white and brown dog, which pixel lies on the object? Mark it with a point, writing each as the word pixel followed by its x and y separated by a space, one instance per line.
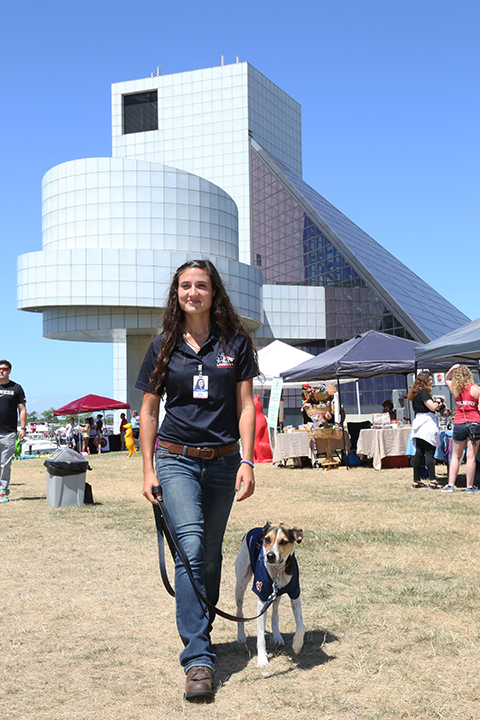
pixel 268 554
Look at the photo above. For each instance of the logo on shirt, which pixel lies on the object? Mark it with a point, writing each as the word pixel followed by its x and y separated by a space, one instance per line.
pixel 224 360
pixel 7 392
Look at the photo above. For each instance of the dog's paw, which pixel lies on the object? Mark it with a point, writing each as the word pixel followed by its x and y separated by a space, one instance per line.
pixel 297 642
pixel 278 639
pixel 262 660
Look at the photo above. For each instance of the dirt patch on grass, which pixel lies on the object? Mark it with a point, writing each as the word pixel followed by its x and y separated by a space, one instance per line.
pixel 390 591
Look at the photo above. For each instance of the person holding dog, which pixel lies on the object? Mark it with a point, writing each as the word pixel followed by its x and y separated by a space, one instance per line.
pixel 198 464
pixel 466 425
pixel 425 430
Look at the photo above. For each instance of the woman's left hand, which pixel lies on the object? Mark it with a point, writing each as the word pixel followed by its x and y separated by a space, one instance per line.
pixel 245 484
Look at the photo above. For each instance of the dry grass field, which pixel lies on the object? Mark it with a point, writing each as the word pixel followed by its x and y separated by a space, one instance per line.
pixel 390 589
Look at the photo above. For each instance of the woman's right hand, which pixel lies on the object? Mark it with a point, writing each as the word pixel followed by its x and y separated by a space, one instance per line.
pixel 148 434
pixel 149 482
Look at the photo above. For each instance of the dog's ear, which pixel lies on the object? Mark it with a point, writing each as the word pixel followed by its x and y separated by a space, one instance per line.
pixel 266 528
pixel 298 533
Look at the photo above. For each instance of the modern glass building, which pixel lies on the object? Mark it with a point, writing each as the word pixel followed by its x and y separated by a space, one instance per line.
pixel 209 163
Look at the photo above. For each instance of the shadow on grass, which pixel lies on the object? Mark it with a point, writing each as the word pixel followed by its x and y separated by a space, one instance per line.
pixel 233 657
pixel 95 503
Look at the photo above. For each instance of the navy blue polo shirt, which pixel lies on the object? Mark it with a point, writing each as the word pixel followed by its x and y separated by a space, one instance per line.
pixel 200 422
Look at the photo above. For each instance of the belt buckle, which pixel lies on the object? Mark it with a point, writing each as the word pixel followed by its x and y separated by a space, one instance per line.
pixel 211 452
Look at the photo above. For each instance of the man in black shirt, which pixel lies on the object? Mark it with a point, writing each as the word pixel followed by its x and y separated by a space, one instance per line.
pixel 12 399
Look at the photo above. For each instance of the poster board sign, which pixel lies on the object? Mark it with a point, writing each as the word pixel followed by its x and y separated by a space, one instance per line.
pixel 273 408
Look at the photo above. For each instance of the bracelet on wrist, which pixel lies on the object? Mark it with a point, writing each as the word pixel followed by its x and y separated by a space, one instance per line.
pixel 247 462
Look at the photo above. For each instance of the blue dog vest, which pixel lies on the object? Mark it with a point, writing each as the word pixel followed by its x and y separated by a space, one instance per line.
pixel 262 582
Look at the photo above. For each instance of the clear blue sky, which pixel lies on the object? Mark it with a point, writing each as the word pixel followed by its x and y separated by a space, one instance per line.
pixel 390 104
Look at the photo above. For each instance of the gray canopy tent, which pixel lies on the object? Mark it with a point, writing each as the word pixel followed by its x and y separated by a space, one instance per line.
pixel 366 355
pixel 459 346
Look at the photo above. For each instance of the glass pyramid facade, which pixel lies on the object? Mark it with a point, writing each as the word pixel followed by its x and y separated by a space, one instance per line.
pixel 300 238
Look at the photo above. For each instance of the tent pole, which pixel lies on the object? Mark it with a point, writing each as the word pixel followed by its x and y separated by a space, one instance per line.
pixel 344 459
pixel 358 401
pixel 406 403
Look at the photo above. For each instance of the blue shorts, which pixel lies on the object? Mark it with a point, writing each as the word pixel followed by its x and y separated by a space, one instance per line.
pixel 461 432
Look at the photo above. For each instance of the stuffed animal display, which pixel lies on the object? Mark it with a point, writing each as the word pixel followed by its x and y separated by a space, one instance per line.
pixel 129 440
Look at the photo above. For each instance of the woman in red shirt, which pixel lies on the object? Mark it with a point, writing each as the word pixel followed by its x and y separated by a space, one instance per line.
pixel 467 419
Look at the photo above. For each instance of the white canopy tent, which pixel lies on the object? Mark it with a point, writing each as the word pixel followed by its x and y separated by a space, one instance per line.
pixel 275 359
pixel 279 357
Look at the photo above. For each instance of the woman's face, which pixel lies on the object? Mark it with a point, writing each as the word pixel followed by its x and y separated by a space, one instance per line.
pixel 201 384
pixel 195 292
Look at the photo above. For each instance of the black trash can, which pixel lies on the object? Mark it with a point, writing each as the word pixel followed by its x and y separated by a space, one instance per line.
pixel 66 473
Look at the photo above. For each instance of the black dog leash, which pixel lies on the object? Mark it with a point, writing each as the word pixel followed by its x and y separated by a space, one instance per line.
pixel 165 527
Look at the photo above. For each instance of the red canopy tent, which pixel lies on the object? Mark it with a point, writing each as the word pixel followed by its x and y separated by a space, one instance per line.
pixel 90 403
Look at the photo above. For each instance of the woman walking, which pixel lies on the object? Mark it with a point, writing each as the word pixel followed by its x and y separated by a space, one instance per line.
pixel 466 425
pixel 425 432
pixel 198 464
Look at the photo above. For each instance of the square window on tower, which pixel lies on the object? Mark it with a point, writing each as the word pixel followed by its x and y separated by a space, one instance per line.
pixel 140 112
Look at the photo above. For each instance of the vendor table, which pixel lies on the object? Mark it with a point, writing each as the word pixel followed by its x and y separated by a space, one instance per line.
pixel 298 444
pixel 381 443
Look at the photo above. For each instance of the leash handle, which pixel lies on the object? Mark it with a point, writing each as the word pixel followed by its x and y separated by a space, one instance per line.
pixel 164 526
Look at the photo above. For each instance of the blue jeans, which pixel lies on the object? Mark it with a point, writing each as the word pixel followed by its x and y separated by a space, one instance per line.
pixel 198 495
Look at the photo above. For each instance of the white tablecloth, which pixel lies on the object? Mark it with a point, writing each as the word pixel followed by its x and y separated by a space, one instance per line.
pixel 298 444
pixel 379 444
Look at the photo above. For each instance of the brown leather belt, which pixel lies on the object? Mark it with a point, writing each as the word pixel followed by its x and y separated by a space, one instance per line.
pixel 205 453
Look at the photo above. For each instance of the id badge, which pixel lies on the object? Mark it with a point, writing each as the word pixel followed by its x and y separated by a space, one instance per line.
pixel 200 387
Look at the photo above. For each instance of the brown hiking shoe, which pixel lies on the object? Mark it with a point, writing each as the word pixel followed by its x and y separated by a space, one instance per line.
pixel 199 684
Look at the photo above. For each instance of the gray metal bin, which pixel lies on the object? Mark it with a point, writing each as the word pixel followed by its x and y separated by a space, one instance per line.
pixel 66 473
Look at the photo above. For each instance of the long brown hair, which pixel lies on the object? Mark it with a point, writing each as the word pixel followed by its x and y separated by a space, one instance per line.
pixel 420 383
pixel 222 313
